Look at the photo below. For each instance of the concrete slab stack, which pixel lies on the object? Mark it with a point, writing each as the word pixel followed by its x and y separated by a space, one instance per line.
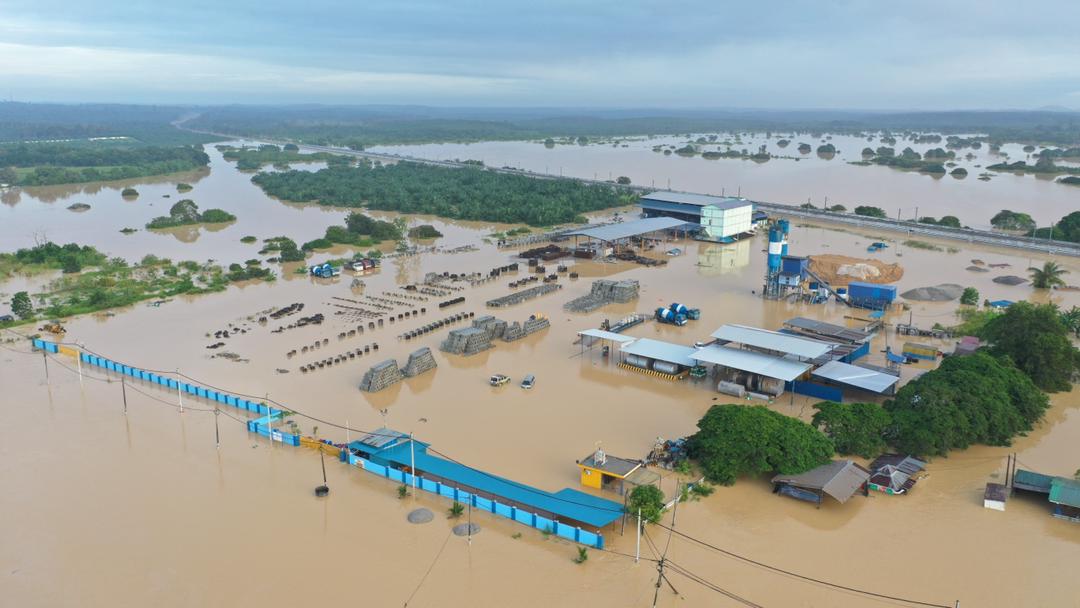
pixel 420 361
pixel 604 292
pixel 381 376
pixel 466 341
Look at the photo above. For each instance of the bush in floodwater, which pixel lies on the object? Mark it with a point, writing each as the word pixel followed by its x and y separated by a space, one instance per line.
pixel 455 510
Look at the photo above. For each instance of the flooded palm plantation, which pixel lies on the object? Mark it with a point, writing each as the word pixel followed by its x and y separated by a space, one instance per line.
pixel 114 475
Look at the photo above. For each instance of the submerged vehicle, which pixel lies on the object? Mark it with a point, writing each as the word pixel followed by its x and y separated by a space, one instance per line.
pixel 498 379
pixel 528 381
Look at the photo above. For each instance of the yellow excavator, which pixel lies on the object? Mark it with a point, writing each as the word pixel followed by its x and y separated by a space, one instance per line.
pixel 54 327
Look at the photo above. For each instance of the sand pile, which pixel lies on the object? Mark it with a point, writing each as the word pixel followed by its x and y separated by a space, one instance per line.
pixel 945 292
pixel 420 516
pixel 1010 279
pixel 977 269
pixel 842 269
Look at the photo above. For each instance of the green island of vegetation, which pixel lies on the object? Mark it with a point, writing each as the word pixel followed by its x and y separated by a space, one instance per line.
pixel 1044 165
pixel 458 193
pixel 183 187
pixel 359 231
pixel 111 282
pixel 48 164
pixel 1012 220
pixel 253 159
pixel 286 249
pixel 186 213
pixel 424 231
pixel 868 211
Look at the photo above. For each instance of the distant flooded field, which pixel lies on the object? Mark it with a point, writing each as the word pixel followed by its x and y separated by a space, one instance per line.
pixel 106 508
pixel 791 177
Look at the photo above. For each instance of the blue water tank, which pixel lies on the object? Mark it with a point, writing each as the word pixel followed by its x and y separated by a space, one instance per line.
pixel 678 309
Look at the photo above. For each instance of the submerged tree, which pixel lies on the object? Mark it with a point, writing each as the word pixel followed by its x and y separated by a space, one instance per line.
pixel 1047 277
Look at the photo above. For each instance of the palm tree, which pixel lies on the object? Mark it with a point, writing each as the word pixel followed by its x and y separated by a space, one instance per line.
pixel 1048 276
pixel 1071 319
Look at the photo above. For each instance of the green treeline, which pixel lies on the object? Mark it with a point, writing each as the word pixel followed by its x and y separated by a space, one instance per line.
pixel 50 256
pixel 469 194
pixel 50 164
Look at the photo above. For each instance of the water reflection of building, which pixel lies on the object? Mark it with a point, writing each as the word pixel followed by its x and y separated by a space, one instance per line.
pixel 715 259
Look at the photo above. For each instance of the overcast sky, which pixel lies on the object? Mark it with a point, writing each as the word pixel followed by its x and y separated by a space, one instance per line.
pixel 766 54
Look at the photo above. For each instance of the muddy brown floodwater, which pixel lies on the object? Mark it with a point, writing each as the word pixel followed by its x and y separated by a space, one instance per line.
pixel 100 508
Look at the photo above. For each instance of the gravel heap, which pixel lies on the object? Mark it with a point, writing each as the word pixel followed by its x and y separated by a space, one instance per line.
pixel 420 516
pixel 938 293
pixel 1010 279
pixel 977 269
pixel 464 529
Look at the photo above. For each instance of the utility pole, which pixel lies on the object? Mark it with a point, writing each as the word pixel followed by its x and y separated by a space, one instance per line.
pixel 123 391
pixel 637 553
pixel 412 462
pixel 45 358
pixel 179 393
pixel 217 431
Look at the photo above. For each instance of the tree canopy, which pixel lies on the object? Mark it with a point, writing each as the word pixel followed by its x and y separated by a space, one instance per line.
pixel 1036 339
pixel 734 440
pixel 68 163
pixel 971 399
pixel 855 428
pixel 186 212
pixel 869 211
pixel 649 499
pixel 460 193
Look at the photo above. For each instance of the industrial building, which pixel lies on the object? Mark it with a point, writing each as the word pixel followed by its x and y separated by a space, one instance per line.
pixel 721 219
pixel 603 241
pixel 620 475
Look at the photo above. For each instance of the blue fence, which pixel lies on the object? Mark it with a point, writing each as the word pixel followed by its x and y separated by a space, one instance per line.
pixel 857 354
pixel 494 507
pixel 263 426
pixel 255 426
pixel 829 393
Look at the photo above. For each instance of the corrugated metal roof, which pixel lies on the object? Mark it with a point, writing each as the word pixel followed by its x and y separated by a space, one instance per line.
pixel 699 200
pixel 566 503
pixel 662 351
pixel 839 479
pixel 625 230
pixel 774 340
pixel 1065 491
pixel 1032 481
pixel 749 361
pixel 856 376
pixel 838 332
pixel 606 335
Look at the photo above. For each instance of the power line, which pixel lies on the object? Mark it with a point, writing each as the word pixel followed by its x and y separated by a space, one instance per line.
pixel 709 585
pixel 430 568
pixel 804 577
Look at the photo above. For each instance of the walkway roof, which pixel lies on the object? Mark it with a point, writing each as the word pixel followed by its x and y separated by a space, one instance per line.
pixel 750 361
pixel 698 200
pixel 856 376
pixel 606 335
pixel 661 351
pixel 625 230
pixel 839 479
pixel 773 340
pixel 566 503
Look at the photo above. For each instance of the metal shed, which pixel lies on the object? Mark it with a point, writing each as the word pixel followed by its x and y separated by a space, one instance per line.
pixel 839 479
pixel 764 339
pixel 749 361
pixel 859 377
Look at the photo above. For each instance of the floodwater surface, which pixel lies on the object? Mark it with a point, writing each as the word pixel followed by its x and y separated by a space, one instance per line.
pixel 106 508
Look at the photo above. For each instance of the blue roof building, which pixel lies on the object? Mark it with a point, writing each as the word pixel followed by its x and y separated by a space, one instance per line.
pixel 392 448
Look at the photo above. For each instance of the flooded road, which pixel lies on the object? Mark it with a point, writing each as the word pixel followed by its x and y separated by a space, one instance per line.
pixel 102 508
pixel 821 181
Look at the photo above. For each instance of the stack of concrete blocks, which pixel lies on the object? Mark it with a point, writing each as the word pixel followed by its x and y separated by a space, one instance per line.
pixel 496 328
pixel 381 376
pixel 419 362
pixel 604 292
pixel 523 295
pixel 466 341
pixel 517 331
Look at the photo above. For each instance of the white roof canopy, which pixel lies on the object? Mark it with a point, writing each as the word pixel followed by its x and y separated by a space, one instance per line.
pixel 856 376
pixel 607 335
pixel 625 230
pixel 661 351
pixel 774 340
pixel 750 361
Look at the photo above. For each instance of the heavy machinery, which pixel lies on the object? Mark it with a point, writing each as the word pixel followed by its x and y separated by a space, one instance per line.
pixel 54 327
